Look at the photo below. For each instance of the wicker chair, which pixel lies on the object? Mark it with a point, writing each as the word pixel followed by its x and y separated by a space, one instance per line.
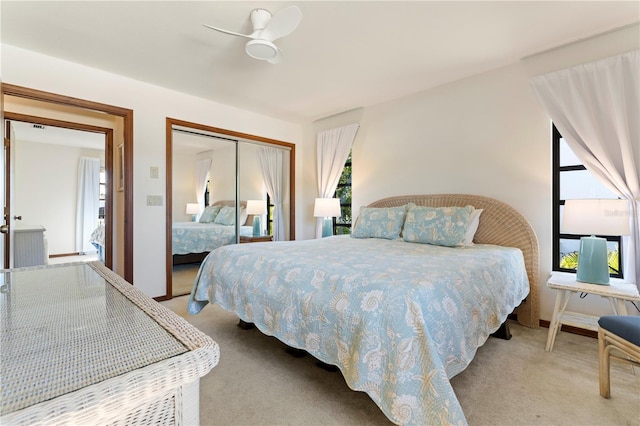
pixel 620 333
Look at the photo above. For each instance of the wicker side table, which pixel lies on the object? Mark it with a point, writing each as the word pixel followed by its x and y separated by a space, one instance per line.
pixel 566 286
pixel 82 346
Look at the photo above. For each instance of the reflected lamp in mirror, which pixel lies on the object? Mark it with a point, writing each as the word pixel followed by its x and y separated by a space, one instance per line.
pixel 595 217
pixel 193 209
pixel 257 208
pixel 327 208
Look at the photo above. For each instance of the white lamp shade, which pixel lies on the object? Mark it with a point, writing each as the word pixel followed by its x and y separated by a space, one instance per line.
pixel 596 217
pixel 327 207
pixel 256 207
pixel 193 208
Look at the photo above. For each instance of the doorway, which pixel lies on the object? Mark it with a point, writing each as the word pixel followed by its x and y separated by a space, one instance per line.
pixel 44 180
pixel 47 104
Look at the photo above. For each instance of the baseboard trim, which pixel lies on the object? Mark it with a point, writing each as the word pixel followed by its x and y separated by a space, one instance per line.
pixel 51 256
pixel 572 329
pixel 567 328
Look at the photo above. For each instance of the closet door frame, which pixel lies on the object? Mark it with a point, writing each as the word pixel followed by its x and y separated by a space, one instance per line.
pixel 169 125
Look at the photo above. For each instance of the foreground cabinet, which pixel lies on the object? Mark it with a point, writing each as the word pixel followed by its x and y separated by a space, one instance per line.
pixel 82 346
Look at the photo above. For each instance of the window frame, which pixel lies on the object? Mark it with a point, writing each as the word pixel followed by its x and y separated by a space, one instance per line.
pixel 558 203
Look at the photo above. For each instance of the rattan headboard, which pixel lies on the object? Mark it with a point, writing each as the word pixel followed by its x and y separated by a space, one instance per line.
pixel 232 203
pixel 500 224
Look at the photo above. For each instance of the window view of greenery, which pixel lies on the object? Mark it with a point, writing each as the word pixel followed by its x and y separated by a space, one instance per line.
pixel 342 224
pixel 270 209
pixel 573 181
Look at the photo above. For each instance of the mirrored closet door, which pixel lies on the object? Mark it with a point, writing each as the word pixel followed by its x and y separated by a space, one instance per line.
pixel 222 188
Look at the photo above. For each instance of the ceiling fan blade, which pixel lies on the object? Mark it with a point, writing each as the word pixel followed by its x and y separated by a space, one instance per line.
pixel 282 23
pixel 229 32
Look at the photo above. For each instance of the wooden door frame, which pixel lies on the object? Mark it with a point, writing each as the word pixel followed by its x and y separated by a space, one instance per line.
pixel 7 193
pixel 108 160
pixel 127 116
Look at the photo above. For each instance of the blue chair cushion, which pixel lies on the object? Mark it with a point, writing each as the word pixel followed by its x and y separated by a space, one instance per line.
pixel 624 326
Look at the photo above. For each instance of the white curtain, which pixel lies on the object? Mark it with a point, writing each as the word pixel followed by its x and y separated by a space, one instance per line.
pixel 88 205
pixel 333 150
pixel 271 160
pixel 595 106
pixel 203 167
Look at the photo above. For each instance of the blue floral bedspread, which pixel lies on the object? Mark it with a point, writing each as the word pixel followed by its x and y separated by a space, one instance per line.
pixel 196 237
pixel 399 319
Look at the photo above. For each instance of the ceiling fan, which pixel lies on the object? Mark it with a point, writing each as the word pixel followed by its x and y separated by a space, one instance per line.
pixel 266 29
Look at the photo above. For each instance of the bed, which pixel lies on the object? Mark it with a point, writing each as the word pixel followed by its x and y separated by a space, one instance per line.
pixel 97 240
pixel 192 241
pixel 399 319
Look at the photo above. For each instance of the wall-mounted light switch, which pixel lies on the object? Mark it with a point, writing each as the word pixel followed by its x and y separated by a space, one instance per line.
pixel 154 200
pixel 154 172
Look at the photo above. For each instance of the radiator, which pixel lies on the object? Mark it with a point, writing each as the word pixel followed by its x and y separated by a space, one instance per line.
pixel 29 246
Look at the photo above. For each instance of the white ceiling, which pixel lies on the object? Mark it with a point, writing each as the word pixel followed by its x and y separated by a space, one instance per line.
pixel 344 55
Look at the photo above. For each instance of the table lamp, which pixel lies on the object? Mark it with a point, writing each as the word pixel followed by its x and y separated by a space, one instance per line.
pixel 327 208
pixel 257 208
pixel 595 217
pixel 193 209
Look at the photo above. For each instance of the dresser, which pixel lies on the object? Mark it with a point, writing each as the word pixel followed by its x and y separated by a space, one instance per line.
pixel 29 246
pixel 80 345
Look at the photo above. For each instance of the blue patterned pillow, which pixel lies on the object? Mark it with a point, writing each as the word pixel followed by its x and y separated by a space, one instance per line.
pixel 209 214
pixel 442 226
pixel 379 222
pixel 226 216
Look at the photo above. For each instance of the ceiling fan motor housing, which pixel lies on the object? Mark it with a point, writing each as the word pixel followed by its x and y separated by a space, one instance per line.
pixel 260 18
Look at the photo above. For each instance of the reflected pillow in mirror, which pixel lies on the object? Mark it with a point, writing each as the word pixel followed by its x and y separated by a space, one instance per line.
pixel 379 222
pixel 442 226
pixel 226 216
pixel 209 214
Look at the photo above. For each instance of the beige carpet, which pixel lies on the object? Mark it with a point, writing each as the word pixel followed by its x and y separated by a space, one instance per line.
pixel 511 382
pixel 183 277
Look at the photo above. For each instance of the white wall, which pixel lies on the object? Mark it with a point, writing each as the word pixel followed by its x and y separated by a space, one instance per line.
pixel 183 183
pixel 151 105
pixel 46 182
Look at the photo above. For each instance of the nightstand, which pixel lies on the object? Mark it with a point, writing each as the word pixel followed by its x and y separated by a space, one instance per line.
pixel 565 285
pixel 260 239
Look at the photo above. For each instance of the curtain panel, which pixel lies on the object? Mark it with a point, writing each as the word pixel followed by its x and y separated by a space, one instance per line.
pixel 88 205
pixel 595 106
pixel 203 167
pixel 333 150
pixel 271 160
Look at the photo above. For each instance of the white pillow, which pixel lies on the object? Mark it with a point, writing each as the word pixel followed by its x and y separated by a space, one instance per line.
pixel 474 221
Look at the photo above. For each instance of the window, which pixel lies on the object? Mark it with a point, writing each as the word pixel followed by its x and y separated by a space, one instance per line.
pixel 270 209
pixel 571 180
pixel 206 194
pixel 342 224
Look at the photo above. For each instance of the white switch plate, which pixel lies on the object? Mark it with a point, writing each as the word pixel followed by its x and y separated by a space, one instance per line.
pixel 154 172
pixel 154 200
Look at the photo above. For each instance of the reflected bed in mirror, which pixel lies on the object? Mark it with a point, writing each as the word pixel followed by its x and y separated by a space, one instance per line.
pixel 192 241
pixel 215 167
